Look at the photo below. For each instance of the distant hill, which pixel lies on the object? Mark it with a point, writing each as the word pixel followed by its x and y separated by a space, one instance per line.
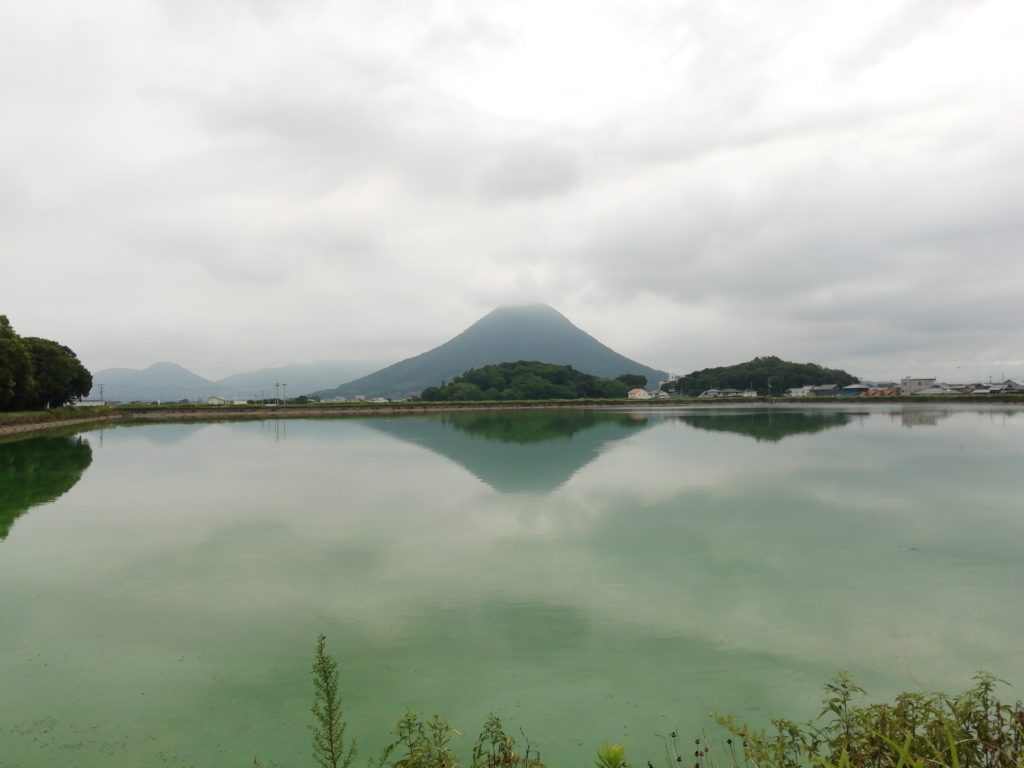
pixel 301 379
pixel 169 382
pixel 531 332
pixel 160 381
pixel 762 373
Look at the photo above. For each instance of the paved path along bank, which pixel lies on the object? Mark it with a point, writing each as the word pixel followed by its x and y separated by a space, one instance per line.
pixel 39 426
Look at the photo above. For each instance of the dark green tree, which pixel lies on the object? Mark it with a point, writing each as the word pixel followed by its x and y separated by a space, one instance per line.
pixel 526 380
pixel 431 393
pixel 16 381
pixel 632 380
pixel 38 373
pixel 59 376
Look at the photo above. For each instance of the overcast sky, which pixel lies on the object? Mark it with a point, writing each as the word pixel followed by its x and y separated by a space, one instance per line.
pixel 238 184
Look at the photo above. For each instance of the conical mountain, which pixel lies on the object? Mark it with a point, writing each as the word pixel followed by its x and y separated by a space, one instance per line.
pixel 529 332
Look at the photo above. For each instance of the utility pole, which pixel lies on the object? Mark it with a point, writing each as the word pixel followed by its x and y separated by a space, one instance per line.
pixel 284 391
pixel 101 391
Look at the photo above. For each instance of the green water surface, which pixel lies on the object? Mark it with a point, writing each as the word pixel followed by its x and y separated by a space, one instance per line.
pixel 587 575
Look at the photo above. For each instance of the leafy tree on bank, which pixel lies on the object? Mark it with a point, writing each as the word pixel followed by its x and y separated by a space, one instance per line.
pixel 632 380
pixel 765 374
pixel 16 382
pixel 38 373
pixel 526 380
pixel 60 376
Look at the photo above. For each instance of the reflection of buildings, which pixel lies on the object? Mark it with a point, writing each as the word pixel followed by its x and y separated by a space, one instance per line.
pixel 921 418
pixel 932 416
pixel 535 451
pixel 36 471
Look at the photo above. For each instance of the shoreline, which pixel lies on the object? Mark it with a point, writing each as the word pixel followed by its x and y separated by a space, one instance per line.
pixel 120 415
pixel 19 428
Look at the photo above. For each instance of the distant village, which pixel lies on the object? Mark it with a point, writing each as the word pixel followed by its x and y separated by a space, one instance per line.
pixel 922 387
pixel 906 387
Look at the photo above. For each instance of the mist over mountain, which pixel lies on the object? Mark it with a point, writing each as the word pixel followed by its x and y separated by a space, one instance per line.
pixel 168 381
pixel 507 334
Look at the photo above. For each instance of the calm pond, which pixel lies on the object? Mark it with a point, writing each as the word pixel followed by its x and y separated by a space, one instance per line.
pixel 586 575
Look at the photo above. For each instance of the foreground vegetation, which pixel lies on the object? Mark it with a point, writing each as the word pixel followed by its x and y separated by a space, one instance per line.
pixel 973 729
pixel 966 730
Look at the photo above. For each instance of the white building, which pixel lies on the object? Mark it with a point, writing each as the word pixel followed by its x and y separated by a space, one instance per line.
pixel 638 394
pixel 909 386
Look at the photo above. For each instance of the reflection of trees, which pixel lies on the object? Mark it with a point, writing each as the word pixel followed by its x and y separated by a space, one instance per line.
pixel 36 471
pixel 535 426
pixel 771 426
pixel 516 451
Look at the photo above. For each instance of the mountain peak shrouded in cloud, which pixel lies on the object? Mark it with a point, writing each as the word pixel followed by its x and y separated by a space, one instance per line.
pixel 506 334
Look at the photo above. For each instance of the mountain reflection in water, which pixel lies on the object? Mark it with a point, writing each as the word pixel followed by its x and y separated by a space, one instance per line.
pixel 518 451
pixel 37 471
pixel 771 426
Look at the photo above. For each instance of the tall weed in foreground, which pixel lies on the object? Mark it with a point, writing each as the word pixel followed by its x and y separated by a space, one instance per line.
pixel 611 756
pixel 329 745
pixel 495 749
pixel 420 744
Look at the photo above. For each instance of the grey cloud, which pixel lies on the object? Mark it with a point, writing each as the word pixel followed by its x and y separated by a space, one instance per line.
pixel 763 175
pixel 530 171
pixel 905 25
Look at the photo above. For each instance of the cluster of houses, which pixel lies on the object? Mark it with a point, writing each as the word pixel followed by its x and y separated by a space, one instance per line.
pixel 357 399
pixel 932 387
pixel 218 400
pixel 907 386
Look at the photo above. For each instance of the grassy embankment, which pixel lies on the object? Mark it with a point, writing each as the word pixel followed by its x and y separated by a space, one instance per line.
pixel 17 422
